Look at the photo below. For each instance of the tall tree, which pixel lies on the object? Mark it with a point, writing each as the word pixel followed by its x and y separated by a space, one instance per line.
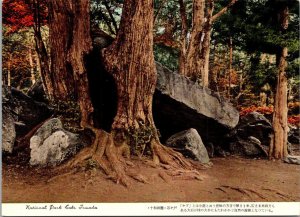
pixel 37 7
pixel 195 62
pixel 70 42
pixel 129 59
pixel 278 146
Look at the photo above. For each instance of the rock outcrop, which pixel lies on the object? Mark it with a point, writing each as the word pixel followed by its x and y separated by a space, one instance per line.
pixel 27 112
pixel 180 104
pixel 20 114
pixel 252 136
pixel 8 131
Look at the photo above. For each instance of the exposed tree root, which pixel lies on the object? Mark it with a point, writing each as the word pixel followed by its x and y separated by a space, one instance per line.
pixel 113 158
pixel 280 194
pixel 245 191
pixel 249 192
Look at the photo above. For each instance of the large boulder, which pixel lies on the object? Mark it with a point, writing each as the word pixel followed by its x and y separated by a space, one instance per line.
pixel 52 144
pixel 250 147
pixel 180 103
pixel 8 131
pixel 190 144
pixel 294 135
pixel 27 112
pixel 252 135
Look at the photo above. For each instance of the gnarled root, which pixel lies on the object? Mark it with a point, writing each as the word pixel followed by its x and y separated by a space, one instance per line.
pixel 173 162
pixel 113 158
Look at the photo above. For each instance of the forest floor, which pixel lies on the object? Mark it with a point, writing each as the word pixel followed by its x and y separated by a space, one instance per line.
pixel 228 179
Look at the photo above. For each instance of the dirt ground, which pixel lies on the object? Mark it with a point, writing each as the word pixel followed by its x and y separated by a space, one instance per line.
pixel 228 179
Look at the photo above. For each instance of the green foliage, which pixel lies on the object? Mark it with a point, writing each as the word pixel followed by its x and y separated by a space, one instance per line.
pixel 166 56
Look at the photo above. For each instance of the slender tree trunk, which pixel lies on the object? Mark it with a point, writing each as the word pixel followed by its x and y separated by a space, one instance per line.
pixel 9 71
pixel 278 146
pixel 197 57
pixel 206 44
pixel 31 66
pixel 41 51
pixel 183 39
pixel 70 21
pixel 230 67
pixel 194 62
pixel 37 61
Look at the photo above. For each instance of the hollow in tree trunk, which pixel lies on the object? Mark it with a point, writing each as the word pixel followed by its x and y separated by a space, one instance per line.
pixel 131 62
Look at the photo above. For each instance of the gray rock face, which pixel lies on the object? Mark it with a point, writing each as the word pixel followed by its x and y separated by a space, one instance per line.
pixel 51 144
pixel 294 135
pixel 252 135
pixel 250 147
pixel 27 112
pixel 8 131
pixel 180 103
pixel 190 144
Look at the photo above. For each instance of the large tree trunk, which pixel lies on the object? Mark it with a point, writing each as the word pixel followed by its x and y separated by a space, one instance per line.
pixel 278 146
pixel 70 42
pixel 130 60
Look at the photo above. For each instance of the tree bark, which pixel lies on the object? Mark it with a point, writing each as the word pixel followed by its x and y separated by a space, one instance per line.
pixel 131 62
pixel 194 62
pixel 206 44
pixel 230 67
pixel 278 146
pixel 183 38
pixel 197 57
pixel 31 66
pixel 223 10
pixel 9 70
pixel 70 21
pixel 43 60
